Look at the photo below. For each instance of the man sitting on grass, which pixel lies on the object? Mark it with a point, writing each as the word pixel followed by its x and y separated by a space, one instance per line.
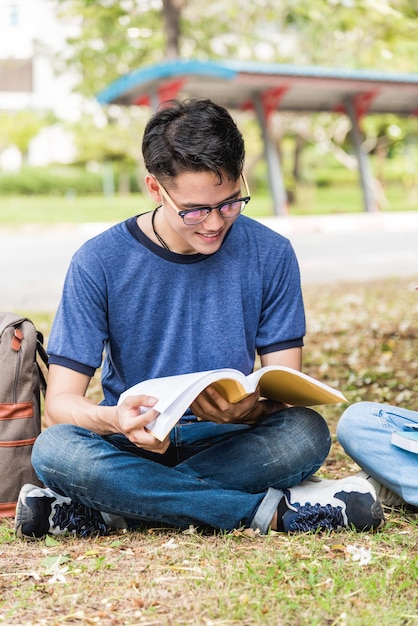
pixel 192 285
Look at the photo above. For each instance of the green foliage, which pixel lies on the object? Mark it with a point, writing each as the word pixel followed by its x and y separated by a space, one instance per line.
pixel 109 139
pixel 335 32
pixel 20 127
pixel 50 181
pixel 115 38
pixel 119 37
pixel 50 210
pixel 62 181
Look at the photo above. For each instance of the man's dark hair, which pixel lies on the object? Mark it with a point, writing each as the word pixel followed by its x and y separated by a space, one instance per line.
pixel 193 135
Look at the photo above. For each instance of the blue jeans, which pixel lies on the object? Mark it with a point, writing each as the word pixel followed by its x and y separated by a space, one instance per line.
pixel 364 431
pixel 220 476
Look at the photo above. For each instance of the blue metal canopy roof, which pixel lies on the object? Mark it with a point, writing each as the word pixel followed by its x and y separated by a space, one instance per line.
pixel 235 84
pixel 270 87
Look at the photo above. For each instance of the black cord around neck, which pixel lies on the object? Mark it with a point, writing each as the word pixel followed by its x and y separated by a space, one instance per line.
pixel 160 239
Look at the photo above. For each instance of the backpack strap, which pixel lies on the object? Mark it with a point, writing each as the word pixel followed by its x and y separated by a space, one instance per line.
pixel 40 350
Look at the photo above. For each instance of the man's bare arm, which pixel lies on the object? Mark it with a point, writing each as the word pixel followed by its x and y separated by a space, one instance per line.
pixel 66 403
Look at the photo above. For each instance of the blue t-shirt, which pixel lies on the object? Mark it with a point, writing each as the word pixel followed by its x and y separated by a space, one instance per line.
pixel 146 312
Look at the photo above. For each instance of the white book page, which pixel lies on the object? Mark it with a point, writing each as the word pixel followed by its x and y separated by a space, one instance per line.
pixel 174 409
pixel 175 394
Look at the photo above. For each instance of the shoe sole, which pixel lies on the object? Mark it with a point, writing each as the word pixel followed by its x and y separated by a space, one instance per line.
pixel 377 512
pixel 21 509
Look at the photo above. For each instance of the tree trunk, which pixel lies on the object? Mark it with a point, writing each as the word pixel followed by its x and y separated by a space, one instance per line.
pixel 299 143
pixel 172 12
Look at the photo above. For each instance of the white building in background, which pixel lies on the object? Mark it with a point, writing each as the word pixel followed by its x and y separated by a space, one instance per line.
pixel 31 36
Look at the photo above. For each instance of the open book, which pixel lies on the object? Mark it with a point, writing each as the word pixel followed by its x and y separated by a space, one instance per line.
pixel 176 393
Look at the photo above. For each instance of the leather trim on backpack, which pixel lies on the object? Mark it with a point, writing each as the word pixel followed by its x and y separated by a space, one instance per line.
pixel 8 509
pixel 19 410
pixel 18 443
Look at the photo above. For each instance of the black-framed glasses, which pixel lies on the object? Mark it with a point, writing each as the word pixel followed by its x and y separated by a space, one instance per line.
pixel 228 209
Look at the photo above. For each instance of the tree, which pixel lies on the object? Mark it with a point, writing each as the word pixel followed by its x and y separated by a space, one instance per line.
pixel 113 147
pixel 172 11
pixel 19 128
pixel 117 37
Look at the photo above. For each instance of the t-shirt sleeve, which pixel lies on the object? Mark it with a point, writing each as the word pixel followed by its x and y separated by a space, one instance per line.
pixel 282 322
pixel 80 330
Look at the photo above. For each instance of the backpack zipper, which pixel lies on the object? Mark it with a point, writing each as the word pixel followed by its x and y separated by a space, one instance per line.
pixel 16 346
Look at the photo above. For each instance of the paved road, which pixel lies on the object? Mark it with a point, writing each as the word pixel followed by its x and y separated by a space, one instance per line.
pixel 33 261
pixel 353 247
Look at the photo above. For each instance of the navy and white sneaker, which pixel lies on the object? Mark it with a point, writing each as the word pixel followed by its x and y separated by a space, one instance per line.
pixel 319 504
pixel 41 512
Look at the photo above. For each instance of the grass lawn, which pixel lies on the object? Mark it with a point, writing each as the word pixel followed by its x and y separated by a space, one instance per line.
pixel 311 200
pixel 361 338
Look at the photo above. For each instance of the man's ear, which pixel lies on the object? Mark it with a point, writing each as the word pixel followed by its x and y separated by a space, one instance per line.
pixel 153 188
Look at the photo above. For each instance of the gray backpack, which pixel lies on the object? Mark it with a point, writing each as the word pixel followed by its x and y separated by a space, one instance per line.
pixel 21 383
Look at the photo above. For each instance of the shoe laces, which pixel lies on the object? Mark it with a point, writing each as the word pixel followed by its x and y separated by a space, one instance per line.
pixel 78 518
pixel 309 517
